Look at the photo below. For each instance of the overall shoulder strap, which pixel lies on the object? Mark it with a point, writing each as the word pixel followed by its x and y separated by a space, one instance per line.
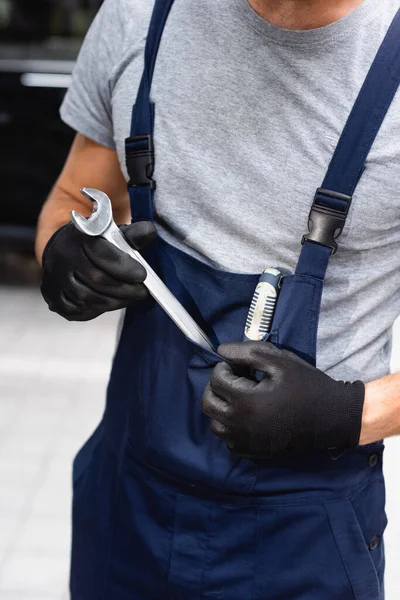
pixel 332 201
pixel 139 146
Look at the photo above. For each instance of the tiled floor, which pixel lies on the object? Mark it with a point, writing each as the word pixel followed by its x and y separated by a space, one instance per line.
pixel 52 384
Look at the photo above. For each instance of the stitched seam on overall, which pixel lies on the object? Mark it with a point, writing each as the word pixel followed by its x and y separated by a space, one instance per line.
pixel 340 554
pixel 254 479
pixel 148 411
pixel 207 560
pixel 316 500
pixel 168 574
pixel 204 547
pixel 369 480
pixel 306 283
pixel 313 317
pixel 258 544
pixel 113 518
pixel 381 535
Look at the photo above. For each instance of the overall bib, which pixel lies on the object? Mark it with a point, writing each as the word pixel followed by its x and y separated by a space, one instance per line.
pixel 162 510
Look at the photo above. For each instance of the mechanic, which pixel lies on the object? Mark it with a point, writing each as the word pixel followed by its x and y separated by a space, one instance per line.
pixel 201 482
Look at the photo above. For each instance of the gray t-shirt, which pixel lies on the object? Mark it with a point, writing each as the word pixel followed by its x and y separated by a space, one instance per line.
pixel 247 118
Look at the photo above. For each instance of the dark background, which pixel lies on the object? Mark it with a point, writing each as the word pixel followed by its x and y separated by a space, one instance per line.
pixel 39 42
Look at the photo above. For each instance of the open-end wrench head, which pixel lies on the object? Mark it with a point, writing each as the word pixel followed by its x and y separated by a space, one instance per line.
pixel 101 217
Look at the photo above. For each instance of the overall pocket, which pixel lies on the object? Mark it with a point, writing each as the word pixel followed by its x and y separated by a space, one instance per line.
pixel 177 435
pixel 358 525
pixel 321 551
pixel 231 473
pixel 295 323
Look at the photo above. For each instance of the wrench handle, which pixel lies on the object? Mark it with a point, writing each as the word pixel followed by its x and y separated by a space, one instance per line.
pixel 161 293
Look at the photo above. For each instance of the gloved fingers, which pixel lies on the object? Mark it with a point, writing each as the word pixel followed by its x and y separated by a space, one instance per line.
pixel 104 284
pixel 109 259
pixel 239 451
pixel 51 241
pixel 140 293
pixel 140 234
pixel 214 407
pixel 87 300
pixel 219 429
pixel 256 356
pixel 67 305
pixel 68 309
pixel 71 313
pixel 236 449
pixel 227 385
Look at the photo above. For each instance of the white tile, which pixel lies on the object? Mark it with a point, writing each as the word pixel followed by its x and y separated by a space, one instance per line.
pixel 58 472
pixel 38 423
pixel 13 497
pixel 52 400
pixel 45 535
pixel 53 368
pixel 52 500
pixel 34 573
pixel 27 595
pixel 80 431
pixel 8 416
pixel 22 447
pixel 7 397
pixel 67 446
pixel 20 471
pixel 8 530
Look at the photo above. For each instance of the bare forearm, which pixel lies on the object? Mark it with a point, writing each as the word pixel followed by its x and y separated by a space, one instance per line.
pixel 381 415
pixel 88 165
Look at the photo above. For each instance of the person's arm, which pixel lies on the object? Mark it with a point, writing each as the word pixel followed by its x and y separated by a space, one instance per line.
pixel 381 414
pixel 85 276
pixel 88 165
pixel 295 407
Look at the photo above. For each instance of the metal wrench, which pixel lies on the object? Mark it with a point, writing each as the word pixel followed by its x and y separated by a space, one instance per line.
pixel 101 223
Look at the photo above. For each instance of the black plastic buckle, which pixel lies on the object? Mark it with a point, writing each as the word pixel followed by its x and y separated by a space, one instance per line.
pixel 140 161
pixel 325 224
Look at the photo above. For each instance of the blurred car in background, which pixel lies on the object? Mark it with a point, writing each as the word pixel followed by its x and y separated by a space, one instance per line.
pixel 39 43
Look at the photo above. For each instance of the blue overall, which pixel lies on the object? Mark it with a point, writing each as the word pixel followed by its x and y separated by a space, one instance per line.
pixel 162 510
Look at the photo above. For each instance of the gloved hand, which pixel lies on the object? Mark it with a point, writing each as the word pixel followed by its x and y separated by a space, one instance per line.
pixel 85 276
pixel 296 407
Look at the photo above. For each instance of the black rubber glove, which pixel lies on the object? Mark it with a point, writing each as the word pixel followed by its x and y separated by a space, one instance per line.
pixel 296 407
pixel 85 276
